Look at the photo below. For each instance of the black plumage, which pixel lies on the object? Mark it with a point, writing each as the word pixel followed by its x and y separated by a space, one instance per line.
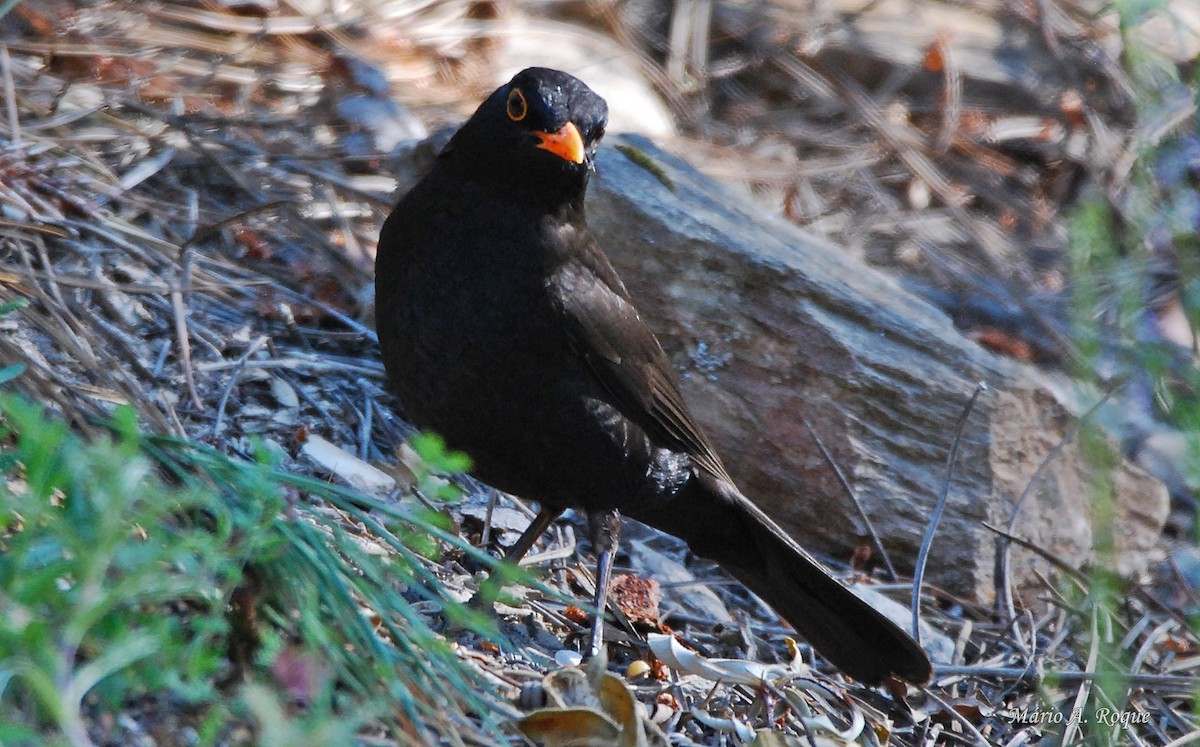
pixel 505 329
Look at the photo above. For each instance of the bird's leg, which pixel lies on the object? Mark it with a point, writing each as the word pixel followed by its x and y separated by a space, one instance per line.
pixel 605 527
pixel 540 523
pixel 489 591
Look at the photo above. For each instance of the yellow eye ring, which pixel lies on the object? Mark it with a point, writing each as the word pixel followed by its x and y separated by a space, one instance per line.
pixel 516 107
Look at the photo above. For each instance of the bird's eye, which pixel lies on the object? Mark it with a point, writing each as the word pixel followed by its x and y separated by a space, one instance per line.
pixel 517 108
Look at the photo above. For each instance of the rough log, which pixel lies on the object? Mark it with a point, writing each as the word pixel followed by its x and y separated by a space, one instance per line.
pixel 774 330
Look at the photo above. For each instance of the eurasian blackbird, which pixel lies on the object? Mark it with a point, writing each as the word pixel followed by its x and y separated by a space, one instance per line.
pixel 505 329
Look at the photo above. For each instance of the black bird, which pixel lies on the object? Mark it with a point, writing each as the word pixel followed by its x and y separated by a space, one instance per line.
pixel 505 329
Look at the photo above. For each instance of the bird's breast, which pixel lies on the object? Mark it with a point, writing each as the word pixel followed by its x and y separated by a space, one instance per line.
pixel 472 316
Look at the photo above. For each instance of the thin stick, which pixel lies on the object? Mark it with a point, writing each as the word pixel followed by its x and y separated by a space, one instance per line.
pixel 1085 687
pixel 841 476
pixel 962 720
pixel 10 97
pixel 365 426
pixel 923 555
pixel 486 536
pixel 213 229
pixel 1054 560
pixel 952 96
pixel 1157 682
pixel 294 362
pixel 239 368
pixel 180 312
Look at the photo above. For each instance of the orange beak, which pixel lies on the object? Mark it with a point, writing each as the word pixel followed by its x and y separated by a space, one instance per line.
pixel 566 143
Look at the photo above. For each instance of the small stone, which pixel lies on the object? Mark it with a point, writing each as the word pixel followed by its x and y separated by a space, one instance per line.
pixel 568 658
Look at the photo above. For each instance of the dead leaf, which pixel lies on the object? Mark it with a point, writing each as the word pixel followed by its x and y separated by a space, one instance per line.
pixel 638 598
pixel 592 707
pixel 797 689
pixel 570 727
pixel 734 671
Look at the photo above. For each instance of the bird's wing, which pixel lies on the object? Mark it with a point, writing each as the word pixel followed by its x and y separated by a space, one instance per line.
pixel 605 330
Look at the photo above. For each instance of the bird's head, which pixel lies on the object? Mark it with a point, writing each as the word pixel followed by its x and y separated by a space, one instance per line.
pixel 538 131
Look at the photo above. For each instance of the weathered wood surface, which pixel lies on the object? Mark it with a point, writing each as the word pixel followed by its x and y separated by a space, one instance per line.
pixel 771 327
